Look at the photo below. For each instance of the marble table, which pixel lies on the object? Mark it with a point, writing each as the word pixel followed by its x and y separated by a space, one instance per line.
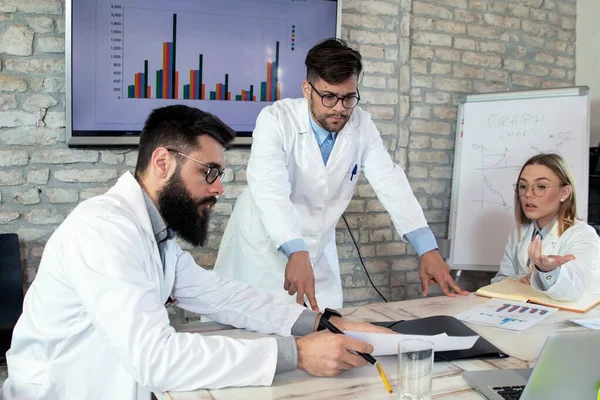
pixel 523 347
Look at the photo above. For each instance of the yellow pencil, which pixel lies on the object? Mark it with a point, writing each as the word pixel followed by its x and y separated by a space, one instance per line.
pixel 366 356
pixel 384 378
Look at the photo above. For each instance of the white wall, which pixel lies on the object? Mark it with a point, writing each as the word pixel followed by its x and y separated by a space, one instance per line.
pixel 588 59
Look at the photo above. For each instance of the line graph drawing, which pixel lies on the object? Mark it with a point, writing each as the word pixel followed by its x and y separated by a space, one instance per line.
pixel 493 161
pixel 491 195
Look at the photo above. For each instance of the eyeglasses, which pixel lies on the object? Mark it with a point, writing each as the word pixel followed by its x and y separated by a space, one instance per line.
pixel 212 173
pixel 330 100
pixel 538 189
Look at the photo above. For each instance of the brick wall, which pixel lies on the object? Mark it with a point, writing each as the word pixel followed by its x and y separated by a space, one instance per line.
pixel 418 56
pixel 437 50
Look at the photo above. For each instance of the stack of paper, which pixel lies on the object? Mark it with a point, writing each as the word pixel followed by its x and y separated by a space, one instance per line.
pixel 506 314
pixel 387 344
pixel 590 323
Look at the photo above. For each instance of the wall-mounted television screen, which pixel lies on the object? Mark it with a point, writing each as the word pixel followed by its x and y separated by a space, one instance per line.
pixel 228 57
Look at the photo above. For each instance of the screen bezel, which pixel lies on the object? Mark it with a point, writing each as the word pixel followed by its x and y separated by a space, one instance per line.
pixel 108 138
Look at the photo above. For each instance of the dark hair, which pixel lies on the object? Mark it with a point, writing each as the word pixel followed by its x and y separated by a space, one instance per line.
pixel 333 61
pixel 178 127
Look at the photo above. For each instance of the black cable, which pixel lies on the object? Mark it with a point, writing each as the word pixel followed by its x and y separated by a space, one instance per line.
pixel 361 260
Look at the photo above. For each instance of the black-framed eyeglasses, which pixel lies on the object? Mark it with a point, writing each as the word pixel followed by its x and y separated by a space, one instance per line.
pixel 212 173
pixel 330 100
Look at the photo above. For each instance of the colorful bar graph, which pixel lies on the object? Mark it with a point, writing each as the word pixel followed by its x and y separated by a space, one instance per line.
pixel 167 80
pixel 167 77
pixel 504 307
pixel 195 79
pixel 270 89
pixel 140 88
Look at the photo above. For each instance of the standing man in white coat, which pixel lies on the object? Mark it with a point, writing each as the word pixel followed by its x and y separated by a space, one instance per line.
pixel 307 157
pixel 94 322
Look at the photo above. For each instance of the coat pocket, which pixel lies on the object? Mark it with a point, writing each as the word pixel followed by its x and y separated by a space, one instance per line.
pixel 26 370
pixel 350 180
pixel 28 379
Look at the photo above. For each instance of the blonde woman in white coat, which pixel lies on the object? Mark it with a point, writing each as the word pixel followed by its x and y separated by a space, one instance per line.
pixel 550 249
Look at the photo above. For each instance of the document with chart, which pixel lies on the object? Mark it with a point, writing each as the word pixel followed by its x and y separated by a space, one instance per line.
pixel 506 314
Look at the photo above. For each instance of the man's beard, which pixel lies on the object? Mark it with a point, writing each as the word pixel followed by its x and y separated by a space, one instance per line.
pixel 328 125
pixel 182 213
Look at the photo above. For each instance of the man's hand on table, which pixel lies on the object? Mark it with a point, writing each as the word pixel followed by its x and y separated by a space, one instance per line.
pixel 327 354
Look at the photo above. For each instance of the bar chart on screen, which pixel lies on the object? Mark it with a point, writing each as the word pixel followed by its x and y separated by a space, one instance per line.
pixel 230 57
pixel 169 86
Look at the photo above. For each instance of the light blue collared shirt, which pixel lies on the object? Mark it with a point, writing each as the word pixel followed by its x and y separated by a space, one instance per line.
pixel 548 279
pixel 325 139
pixel 321 134
pixel 421 239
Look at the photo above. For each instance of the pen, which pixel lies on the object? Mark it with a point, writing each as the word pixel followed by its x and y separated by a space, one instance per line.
pixel 332 328
pixel 354 171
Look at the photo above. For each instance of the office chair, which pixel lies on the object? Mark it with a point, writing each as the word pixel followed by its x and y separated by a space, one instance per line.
pixel 11 289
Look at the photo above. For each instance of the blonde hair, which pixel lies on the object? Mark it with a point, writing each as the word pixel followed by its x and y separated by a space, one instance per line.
pixel 567 211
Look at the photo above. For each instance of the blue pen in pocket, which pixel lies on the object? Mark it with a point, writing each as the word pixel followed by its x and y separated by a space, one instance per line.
pixel 354 171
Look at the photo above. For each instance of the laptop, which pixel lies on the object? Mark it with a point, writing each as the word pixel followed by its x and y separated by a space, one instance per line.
pixel 568 368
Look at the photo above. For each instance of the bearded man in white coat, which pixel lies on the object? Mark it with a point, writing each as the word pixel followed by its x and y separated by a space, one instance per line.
pixel 94 322
pixel 306 159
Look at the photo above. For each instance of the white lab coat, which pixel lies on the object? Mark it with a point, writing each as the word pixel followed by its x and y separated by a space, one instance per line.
pixel 291 194
pixel 575 278
pixel 94 324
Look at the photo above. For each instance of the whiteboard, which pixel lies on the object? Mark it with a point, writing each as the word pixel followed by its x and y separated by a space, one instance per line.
pixel 496 134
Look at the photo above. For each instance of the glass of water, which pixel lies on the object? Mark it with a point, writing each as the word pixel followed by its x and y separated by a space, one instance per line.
pixel 415 369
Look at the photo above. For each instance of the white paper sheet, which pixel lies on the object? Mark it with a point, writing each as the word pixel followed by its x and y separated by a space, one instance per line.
pixel 387 344
pixel 590 323
pixel 506 314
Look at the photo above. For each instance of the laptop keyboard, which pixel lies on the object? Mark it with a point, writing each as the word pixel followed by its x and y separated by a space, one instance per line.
pixel 510 392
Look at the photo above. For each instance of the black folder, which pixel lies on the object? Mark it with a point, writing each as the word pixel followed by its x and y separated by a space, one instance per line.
pixel 452 327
